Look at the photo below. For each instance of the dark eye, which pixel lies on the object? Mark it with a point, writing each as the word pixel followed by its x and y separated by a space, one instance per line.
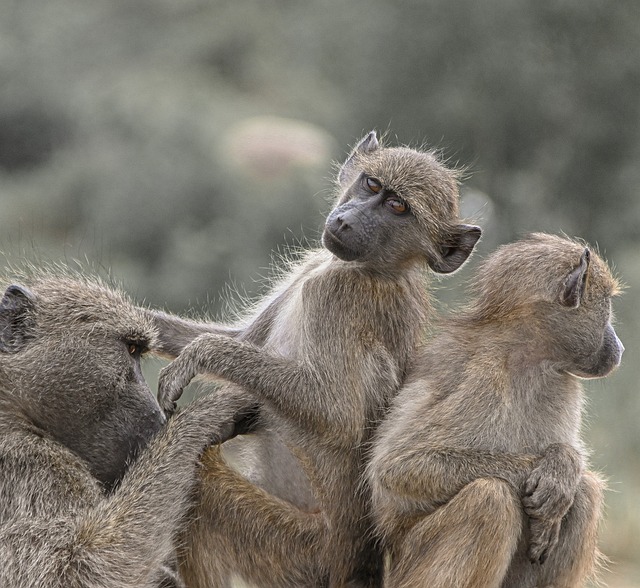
pixel 373 185
pixel 135 349
pixel 397 205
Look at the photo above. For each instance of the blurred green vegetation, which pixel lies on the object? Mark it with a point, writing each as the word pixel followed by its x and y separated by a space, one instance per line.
pixel 181 142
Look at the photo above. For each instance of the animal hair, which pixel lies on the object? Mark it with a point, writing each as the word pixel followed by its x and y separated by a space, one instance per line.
pixel 322 354
pixel 94 486
pixel 479 476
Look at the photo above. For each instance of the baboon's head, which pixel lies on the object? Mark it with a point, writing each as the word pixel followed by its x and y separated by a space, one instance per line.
pixel 560 292
pixel 70 351
pixel 397 205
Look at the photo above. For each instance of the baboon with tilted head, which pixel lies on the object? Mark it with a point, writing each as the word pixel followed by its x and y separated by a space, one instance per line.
pixel 93 486
pixel 324 354
pixel 479 475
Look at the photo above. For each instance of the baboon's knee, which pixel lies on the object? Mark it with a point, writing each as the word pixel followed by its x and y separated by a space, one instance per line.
pixel 467 542
pixel 493 501
pixel 580 526
pixel 592 489
pixel 576 557
pixel 584 516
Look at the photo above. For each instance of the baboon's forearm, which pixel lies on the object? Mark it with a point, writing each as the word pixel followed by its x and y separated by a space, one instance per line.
pixel 437 475
pixel 146 511
pixel 293 388
pixel 175 333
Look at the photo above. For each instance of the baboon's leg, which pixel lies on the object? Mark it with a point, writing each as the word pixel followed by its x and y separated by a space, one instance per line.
pixel 467 543
pixel 239 528
pixel 576 557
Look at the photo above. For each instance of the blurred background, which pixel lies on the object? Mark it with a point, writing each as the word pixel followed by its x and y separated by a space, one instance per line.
pixel 179 143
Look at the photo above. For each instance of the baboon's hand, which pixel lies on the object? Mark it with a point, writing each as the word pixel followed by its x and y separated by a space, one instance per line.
pixel 548 494
pixel 172 381
pixel 208 353
pixel 545 496
pixel 543 537
pixel 549 490
pixel 545 501
pixel 220 415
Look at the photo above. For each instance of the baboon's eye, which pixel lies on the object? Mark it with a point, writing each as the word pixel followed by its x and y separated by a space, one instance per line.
pixel 397 205
pixel 135 349
pixel 373 185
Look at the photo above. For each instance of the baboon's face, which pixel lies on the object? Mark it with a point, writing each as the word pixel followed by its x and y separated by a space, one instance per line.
pixel 584 336
pixel 98 404
pixel 374 223
pixel 557 293
pixel 596 350
pixel 397 205
pixel 80 375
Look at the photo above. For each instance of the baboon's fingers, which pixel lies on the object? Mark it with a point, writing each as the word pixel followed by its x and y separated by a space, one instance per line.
pixel 532 482
pixel 172 381
pixel 543 537
pixel 545 497
pixel 169 409
pixel 245 421
pixel 538 493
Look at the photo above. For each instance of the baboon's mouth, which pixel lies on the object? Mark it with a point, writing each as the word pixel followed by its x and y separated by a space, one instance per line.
pixel 338 247
pixel 328 236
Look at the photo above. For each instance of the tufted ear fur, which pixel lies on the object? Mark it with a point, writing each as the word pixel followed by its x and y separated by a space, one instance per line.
pixel 14 318
pixel 574 285
pixel 366 145
pixel 461 244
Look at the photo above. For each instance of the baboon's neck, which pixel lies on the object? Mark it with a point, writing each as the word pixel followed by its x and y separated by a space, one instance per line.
pixel 510 364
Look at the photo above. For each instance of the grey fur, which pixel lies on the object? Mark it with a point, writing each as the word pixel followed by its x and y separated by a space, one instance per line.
pixel 479 473
pixel 93 485
pixel 325 354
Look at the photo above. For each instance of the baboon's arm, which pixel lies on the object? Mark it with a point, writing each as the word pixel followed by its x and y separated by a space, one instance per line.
pixel 175 333
pixel 148 507
pixel 294 388
pixel 119 541
pixel 549 493
pixel 435 475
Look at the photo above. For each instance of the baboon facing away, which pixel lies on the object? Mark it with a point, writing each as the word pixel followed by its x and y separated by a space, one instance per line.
pixel 479 474
pixel 93 486
pixel 324 355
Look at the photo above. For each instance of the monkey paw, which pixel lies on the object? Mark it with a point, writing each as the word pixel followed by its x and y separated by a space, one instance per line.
pixel 172 381
pixel 543 537
pixel 546 496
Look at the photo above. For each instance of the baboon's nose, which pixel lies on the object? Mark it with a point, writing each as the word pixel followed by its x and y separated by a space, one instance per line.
pixel 341 224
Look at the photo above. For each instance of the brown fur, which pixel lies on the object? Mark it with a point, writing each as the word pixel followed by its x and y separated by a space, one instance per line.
pixel 89 498
pixel 478 473
pixel 325 354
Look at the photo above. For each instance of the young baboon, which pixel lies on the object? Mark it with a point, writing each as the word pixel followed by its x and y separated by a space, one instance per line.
pixel 324 354
pixel 478 474
pixel 93 486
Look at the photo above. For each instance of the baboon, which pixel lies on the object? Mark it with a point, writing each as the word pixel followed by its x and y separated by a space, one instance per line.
pixel 324 354
pixel 478 474
pixel 93 485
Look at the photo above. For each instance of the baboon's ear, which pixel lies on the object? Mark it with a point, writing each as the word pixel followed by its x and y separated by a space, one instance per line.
pixel 462 241
pixel 574 284
pixel 366 145
pixel 14 318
